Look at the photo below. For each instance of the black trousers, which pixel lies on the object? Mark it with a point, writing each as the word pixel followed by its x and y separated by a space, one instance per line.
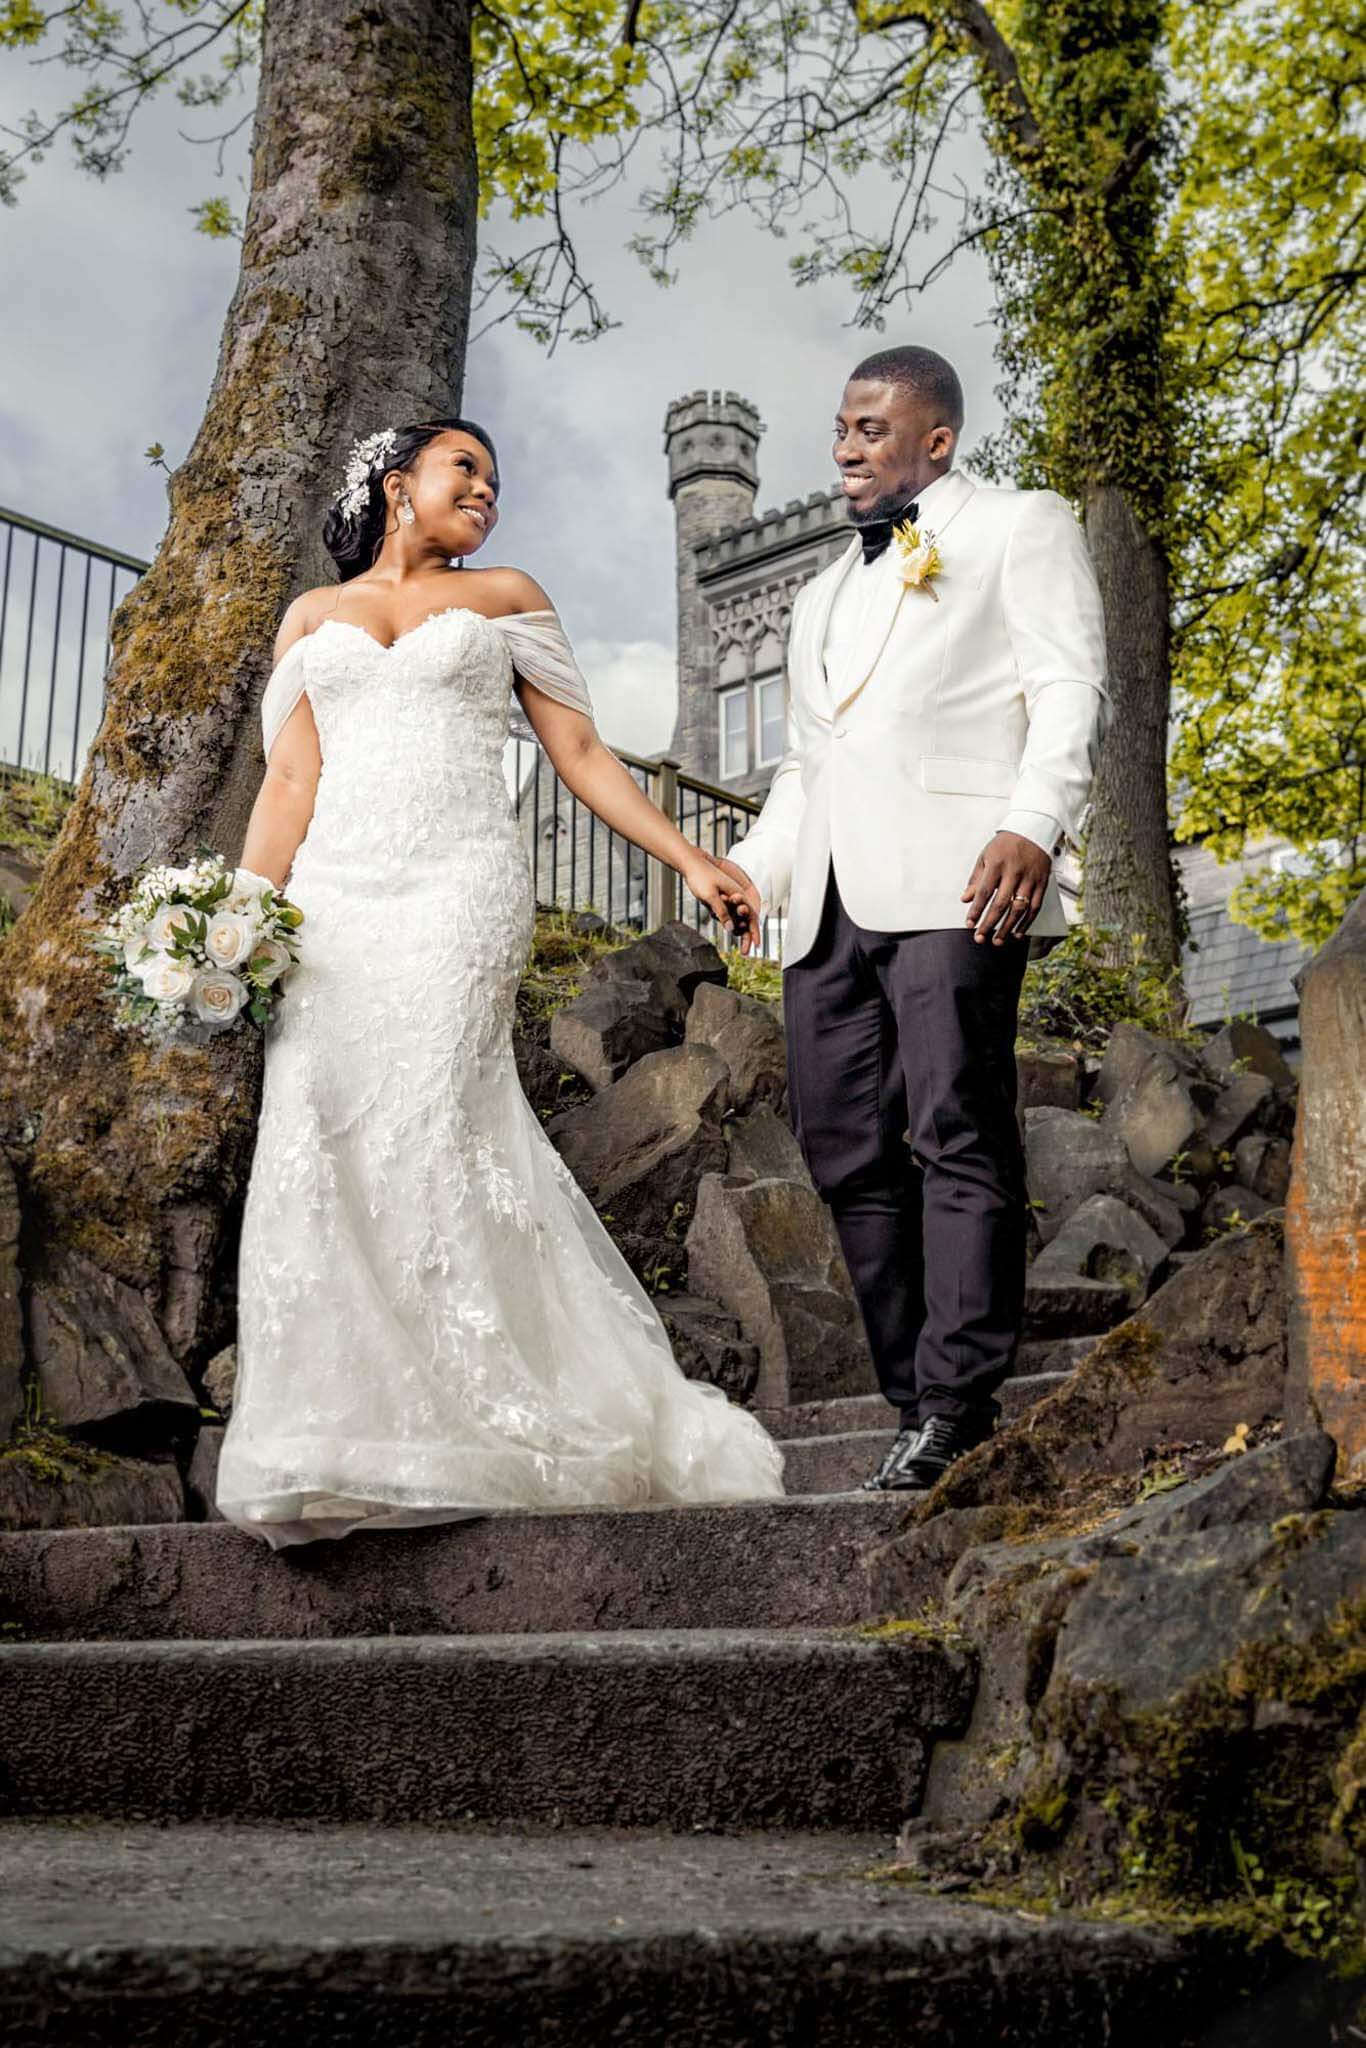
pixel 901 1080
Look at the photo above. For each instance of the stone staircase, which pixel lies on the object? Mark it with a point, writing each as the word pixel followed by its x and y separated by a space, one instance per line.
pixel 831 1446
pixel 630 1776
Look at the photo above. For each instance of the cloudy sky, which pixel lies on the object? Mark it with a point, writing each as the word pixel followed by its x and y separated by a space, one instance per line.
pixel 114 306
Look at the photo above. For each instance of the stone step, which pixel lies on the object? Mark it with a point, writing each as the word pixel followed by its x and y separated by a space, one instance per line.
pixel 870 1412
pixel 683 1729
pixel 753 1564
pixel 357 1937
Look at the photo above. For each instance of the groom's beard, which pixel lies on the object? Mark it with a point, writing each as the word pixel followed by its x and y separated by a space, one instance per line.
pixel 875 527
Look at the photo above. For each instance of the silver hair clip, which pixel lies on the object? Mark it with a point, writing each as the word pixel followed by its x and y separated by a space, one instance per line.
pixel 355 492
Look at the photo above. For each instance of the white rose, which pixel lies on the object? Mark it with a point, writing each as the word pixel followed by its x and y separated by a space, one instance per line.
pixel 166 980
pixel 228 940
pixel 163 925
pixel 245 894
pixel 269 960
pixel 216 997
pixel 135 945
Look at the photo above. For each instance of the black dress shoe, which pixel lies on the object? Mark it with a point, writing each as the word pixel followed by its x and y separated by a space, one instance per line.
pixel 887 1477
pixel 942 1440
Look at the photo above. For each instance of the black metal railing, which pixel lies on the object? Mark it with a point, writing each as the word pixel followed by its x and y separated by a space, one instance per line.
pixel 578 863
pixel 57 594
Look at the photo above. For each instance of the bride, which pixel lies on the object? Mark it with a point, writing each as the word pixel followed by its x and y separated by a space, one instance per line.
pixel 432 1320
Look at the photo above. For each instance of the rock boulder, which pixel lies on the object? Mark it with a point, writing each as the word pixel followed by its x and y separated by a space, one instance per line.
pixel 709 1345
pixel 1242 1047
pixel 51 1488
pixel 1262 1163
pixel 672 962
pixel 97 1348
pixel 643 1144
pixel 767 1251
pixel 1156 1094
pixel 749 1037
pixel 201 1479
pixel 762 1147
pixel 608 1028
pixel 1204 1353
pixel 1105 1239
pixel 1047 1078
pixel 1071 1156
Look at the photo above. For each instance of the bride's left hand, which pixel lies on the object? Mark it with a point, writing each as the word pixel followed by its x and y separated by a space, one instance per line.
pixel 714 888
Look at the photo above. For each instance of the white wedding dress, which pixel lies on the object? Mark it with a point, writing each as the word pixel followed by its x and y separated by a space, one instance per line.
pixel 432 1320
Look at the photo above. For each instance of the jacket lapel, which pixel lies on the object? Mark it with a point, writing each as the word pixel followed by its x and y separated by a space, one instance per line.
pixel 949 500
pixel 812 677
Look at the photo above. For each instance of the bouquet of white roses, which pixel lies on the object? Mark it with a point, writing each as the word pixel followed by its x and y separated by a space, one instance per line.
pixel 198 946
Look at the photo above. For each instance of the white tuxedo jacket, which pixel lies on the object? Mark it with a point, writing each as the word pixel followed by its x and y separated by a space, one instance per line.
pixel 946 716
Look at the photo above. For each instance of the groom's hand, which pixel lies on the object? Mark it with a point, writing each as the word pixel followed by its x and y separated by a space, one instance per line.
pixel 1010 876
pixel 749 905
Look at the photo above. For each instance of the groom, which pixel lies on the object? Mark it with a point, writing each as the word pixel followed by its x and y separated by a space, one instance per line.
pixel 946 707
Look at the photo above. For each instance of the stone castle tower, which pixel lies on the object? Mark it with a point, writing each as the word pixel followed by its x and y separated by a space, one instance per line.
pixel 712 443
pixel 737 576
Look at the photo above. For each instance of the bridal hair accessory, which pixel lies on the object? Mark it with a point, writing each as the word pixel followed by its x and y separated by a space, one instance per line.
pixel 919 556
pixel 355 492
pixel 193 949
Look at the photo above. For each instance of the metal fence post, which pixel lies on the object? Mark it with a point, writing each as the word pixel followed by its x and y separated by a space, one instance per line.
pixel 663 890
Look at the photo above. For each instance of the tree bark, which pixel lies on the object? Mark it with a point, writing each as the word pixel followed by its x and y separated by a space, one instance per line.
pixel 351 312
pixel 1128 878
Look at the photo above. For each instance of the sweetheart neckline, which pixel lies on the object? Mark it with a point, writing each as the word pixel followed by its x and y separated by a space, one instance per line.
pixel 387 646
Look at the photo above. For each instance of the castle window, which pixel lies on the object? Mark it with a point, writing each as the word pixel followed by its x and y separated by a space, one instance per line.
pixel 772 719
pixel 734 735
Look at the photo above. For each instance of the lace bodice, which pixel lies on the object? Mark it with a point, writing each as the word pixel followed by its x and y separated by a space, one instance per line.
pixel 481 654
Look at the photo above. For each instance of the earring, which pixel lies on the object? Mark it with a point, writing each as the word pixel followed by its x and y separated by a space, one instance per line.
pixel 406 512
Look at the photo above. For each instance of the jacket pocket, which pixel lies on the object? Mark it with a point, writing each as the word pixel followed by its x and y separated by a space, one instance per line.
pixel 968 774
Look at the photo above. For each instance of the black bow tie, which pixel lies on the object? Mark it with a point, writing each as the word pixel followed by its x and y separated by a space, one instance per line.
pixel 877 534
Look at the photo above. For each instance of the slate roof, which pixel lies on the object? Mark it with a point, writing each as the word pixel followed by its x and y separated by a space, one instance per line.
pixel 1236 973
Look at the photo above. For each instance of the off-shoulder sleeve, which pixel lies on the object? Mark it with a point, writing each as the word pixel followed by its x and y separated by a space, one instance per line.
pixel 541 654
pixel 282 692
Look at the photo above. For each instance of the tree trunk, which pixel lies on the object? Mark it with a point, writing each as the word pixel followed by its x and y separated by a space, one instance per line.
pixel 1128 875
pixel 350 313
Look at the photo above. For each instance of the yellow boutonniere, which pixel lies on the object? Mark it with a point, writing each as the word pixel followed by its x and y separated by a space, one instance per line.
pixel 919 561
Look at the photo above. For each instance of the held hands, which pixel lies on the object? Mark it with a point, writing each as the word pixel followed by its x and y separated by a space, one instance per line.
pixel 1011 875
pixel 709 882
pixel 746 908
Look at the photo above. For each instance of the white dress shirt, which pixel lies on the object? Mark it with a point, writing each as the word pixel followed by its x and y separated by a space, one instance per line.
pixel 843 629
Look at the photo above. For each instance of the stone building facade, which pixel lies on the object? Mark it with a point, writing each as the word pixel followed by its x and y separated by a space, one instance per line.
pixel 737 575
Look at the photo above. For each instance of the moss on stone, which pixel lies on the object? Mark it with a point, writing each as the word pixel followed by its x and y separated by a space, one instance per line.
pixel 1032 1462
pixel 52 1457
pixel 561 958
pixel 1243 1795
pixel 931 1625
pixel 1040 1817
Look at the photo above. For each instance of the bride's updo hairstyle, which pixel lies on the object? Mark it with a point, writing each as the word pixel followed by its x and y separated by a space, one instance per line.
pixel 353 539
